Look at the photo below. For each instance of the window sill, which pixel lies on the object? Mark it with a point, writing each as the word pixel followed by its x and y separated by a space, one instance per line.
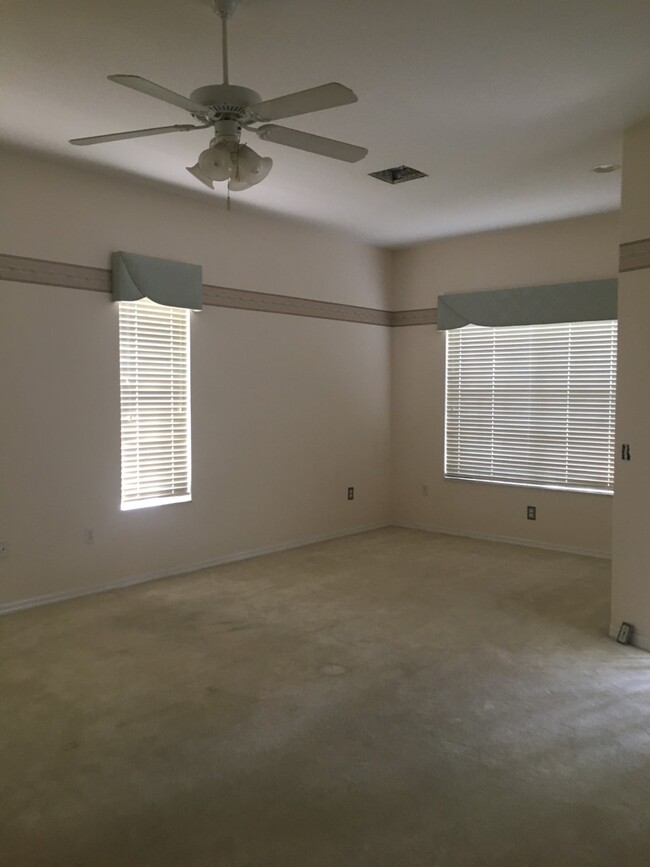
pixel 530 485
pixel 131 505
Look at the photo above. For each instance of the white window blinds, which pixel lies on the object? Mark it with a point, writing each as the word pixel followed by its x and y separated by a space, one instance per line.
pixel 532 405
pixel 155 403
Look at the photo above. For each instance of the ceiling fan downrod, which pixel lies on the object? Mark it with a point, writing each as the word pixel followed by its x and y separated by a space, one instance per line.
pixel 224 9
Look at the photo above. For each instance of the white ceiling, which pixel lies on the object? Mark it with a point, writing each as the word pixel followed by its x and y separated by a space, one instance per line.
pixel 506 104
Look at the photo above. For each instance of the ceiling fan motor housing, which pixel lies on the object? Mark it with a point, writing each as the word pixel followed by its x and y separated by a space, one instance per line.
pixel 227 101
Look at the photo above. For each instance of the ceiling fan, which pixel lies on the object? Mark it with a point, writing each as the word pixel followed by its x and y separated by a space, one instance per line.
pixel 229 109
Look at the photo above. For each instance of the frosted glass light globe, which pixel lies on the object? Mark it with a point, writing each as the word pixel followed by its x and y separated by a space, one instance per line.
pixel 250 170
pixel 216 162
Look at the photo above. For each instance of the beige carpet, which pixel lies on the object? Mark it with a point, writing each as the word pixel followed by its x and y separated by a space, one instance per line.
pixel 387 700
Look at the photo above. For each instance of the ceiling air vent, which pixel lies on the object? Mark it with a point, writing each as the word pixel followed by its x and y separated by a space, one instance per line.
pixel 398 175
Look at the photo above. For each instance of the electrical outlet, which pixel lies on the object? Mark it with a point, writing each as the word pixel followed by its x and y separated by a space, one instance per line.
pixel 531 513
pixel 350 493
pixel 4 549
pixel 425 490
pixel 624 633
pixel 89 536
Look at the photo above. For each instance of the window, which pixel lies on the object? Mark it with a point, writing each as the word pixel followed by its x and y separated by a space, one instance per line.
pixel 155 404
pixel 532 405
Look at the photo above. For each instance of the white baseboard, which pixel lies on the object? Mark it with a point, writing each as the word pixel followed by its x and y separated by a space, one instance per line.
pixel 509 540
pixel 62 596
pixel 640 641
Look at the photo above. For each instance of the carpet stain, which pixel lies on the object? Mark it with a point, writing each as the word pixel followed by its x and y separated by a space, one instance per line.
pixel 333 670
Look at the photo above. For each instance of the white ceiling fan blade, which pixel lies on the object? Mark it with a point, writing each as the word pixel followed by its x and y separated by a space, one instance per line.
pixel 150 88
pixel 315 144
pixel 304 101
pixel 134 133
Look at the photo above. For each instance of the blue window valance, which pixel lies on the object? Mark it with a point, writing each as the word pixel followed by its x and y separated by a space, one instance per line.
pixel 586 301
pixel 174 284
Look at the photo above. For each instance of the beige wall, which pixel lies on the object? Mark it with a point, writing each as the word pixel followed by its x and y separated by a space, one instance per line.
pixel 287 411
pixel 557 252
pixel 631 560
pixel 71 214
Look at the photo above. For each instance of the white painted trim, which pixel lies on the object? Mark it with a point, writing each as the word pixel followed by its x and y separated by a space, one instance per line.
pixel 120 583
pixel 642 642
pixel 509 540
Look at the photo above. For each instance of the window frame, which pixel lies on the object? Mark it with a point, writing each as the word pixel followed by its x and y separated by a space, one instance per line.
pixel 177 323
pixel 537 482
